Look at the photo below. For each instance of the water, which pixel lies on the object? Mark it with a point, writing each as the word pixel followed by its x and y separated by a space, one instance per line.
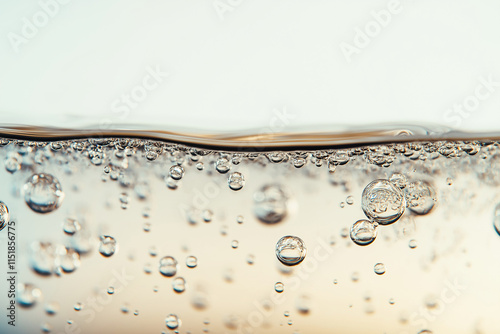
pixel 151 232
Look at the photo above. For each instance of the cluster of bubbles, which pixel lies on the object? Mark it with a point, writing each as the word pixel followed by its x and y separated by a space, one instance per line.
pixel 385 201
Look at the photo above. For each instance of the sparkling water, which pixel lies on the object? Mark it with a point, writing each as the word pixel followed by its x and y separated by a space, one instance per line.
pixel 131 234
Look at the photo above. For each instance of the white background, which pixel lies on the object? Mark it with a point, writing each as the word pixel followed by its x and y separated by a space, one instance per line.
pixel 236 64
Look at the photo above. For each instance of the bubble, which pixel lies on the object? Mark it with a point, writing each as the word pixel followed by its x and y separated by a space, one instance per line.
pixel 449 181
pixel 43 193
pixel 46 328
pixel 136 312
pixel 412 243
pixel 279 287
pixel 176 172
pixel 146 227
pixel 4 215
pixel 391 301
pixel 286 314
pixel 200 166
pixel 399 180
pixel 250 259
pixel 71 226
pixel 191 261
pixel 223 165
pixel 168 266
pixel 383 202
pixel 13 162
pixel 236 181
pixel 179 284
pixel 420 197
pixel 172 184
pixel 124 308
pixel 363 232
pixel 299 162
pixel 240 219
pixel 207 216
pixel 45 257
pixel 349 200
pixel 172 321
pixel 234 244
pixel 379 269
pixel 355 276
pixel 147 268
pixel 303 304
pixel 108 245
pixel 270 204
pixel 78 306
pixel 27 294
pixel 111 290
pixel 69 260
pixel 290 250
pixel 425 331
pixel 51 308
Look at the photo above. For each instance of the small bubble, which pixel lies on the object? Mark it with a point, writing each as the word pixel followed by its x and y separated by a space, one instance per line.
pixel 172 184
pixel 425 331
pixel 302 303
pixel 449 181
pixel 13 162
pixel 71 226
pixel 236 181
pixel 383 202
pixel 168 266
pixel 155 288
pixel 234 244
pixel 207 216
pixel 363 232
pixel 78 306
pixel 176 172
pixel 335 281
pixel 379 269
pixel 222 165
pixel 136 312
pixel 223 230
pixel 27 294
pixel 146 227
pixel 349 200
pixel 250 259
pixel 179 284
pixel 43 193
pixel 111 290
pixel 199 166
pixel 270 204
pixel 51 308
pixel 152 251
pixel 391 301
pixel 420 197
pixel 399 180
pixel 299 162
pixel 412 243
pixel 286 314
pixel 279 287
pixel 108 245
pixel 172 321
pixel 342 205
pixel 290 250
pixel 191 261
pixel 124 308
pixel 240 219
pixel 344 232
pixel 69 260
pixel 355 276
pixel 46 328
